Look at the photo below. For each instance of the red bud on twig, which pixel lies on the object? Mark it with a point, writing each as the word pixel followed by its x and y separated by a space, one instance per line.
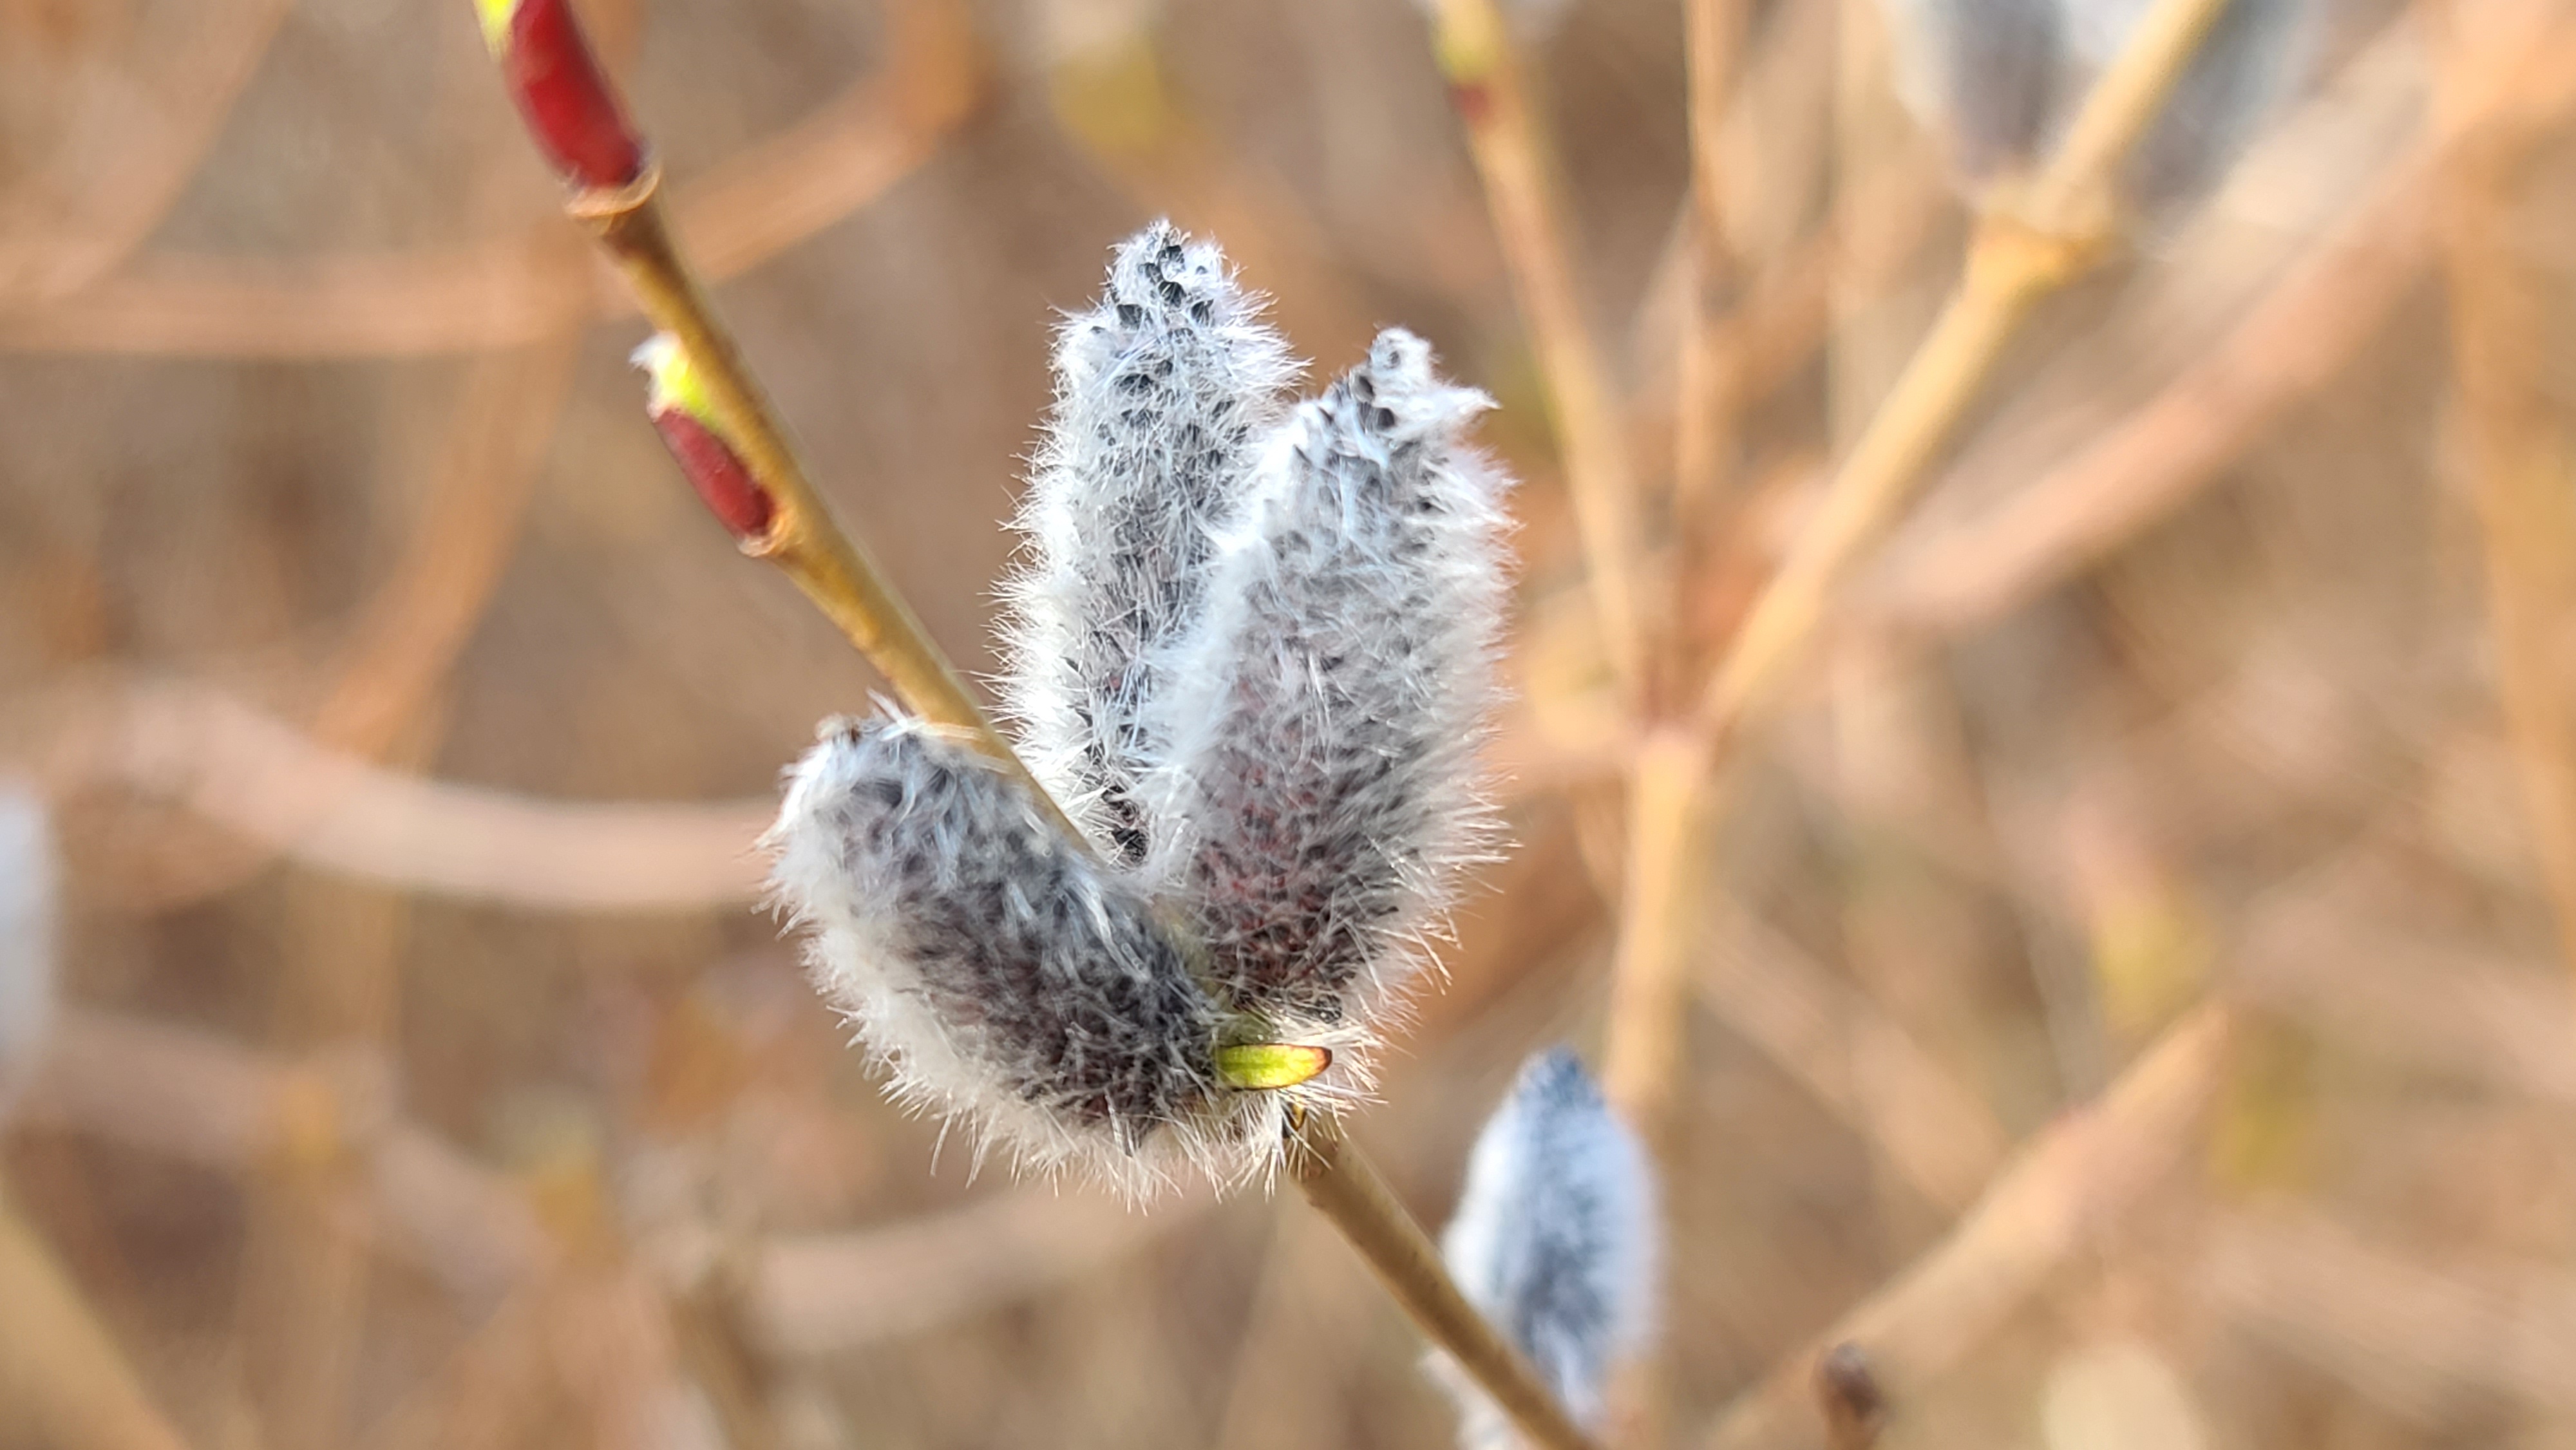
pixel 687 422
pixel 569 105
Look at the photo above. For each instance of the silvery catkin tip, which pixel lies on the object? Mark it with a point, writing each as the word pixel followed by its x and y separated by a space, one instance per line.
pixel 1007 979
pixel 1555 1240
pixel 1163 392
pixel 1325 713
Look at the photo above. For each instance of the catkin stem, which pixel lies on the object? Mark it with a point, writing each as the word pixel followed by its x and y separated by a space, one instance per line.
pixel 803 539
pixel 1345 1187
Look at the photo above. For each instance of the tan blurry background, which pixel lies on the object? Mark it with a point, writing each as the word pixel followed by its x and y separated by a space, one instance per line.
pixel 490 1112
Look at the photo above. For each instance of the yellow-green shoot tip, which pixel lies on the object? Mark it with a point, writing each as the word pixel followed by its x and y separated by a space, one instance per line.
pixel 495 15
pixel 677 385
pixel 1271 1065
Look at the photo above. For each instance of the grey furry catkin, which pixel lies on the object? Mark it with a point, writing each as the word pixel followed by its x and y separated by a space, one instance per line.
pixel 1555 1241
pixel 1163 393
pixel 1005 977
pixel 30 893
pixel 1253 651
pixel 1325 716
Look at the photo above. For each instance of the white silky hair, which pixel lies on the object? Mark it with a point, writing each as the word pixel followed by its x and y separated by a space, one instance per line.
pixel 1164 391
pixel 30 928
pixel 1325 715
pixel 1252 654
pixel 1556 1240
pixel 1005 980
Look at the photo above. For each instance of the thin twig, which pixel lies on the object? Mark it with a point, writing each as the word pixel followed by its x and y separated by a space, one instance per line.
pixel 1704 382
pixel 2073 1180
pixel 2025 248
pixel 1346 1189
pixel 2290 344
pixel 1491 93
pixel 801 537
pixel 1658 922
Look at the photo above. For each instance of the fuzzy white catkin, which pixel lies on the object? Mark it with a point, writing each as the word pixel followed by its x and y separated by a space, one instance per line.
pixel 1556 1241
pixel 1325 715
pixel 1005 978
pixel 30 887
pixel 1163 393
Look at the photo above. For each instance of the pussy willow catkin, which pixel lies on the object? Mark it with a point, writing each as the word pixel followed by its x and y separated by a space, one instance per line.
pixel 1253 648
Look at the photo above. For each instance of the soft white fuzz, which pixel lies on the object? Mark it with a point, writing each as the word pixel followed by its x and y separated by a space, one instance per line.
pixel 1325 717
pixel 1163 394
pixel 1253 653
pixel 1555 1241
pixel 1005 979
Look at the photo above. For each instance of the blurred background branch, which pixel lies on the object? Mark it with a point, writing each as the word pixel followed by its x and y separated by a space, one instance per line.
pixel 2128 990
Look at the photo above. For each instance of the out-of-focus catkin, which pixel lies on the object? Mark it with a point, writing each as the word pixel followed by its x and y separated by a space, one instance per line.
pixel 1164 391
pixel 1325 717
pixel 1556 1241
pixel 2003 78
pixel 30 919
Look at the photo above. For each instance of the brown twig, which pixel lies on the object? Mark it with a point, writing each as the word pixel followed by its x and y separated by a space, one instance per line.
pixel 1658 921
pixel 2292 342
pixel 2070 1183
pixel 801 538
pixel 1492 98
pixel 255 775
pixel 1704 373
pixel 2025 248
pixel 1347 1190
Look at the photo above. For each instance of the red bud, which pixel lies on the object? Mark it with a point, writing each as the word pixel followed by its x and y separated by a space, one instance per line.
pixel 717 473
pixel 570 107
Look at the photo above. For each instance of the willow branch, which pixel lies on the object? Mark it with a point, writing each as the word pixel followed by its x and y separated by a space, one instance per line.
pixel 577 119
pixel 1491 93
pixel 1347 1190
pixel 2027 245
pixel 801 538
